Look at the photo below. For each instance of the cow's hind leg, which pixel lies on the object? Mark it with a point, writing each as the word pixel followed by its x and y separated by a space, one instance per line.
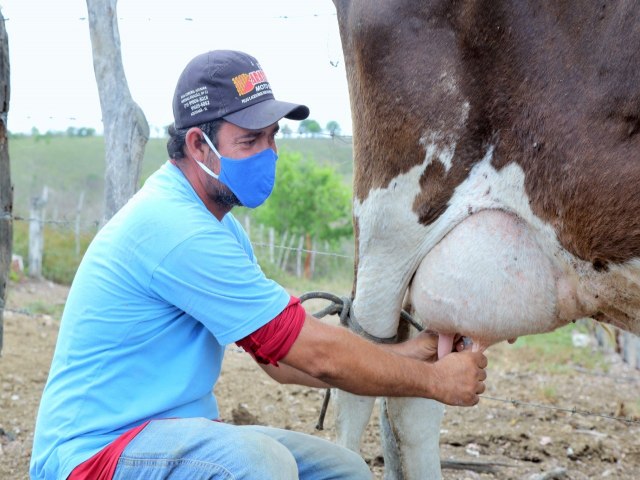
pixel 410 438
pixel 352 416
pixel 410 431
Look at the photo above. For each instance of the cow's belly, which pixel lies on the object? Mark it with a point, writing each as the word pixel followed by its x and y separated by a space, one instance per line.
pixel 489 279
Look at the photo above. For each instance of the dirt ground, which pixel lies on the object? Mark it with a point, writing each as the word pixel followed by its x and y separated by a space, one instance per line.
pixel 517 441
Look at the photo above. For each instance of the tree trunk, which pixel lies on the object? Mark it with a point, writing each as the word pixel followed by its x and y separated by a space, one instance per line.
pixel 6 189
pixel 126 130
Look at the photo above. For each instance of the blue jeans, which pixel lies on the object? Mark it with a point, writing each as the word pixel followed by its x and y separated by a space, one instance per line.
pixel 199 449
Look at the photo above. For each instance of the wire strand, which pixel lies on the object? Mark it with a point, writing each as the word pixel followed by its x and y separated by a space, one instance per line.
pixel 574 410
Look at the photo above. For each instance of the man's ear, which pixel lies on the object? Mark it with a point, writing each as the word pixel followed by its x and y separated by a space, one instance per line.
pixel 195 145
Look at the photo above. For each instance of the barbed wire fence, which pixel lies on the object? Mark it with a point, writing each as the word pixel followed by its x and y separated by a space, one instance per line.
pixel 278 255
pixel 288 255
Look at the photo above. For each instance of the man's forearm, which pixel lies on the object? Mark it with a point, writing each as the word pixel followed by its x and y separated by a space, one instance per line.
pixel 346 361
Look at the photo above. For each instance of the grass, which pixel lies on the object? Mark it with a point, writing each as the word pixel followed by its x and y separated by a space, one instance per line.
pixel 549 393
pixel 71 165
pixel 60 260
pixel 554 352
pixel 68 166
pixel 40 308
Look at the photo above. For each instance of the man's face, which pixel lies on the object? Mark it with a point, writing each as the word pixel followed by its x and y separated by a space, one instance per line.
pixel 237 143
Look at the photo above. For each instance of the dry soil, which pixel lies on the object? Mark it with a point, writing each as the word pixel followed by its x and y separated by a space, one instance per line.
pixel 515 441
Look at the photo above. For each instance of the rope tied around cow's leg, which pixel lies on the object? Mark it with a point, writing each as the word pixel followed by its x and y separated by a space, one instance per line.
pixel 343 306
pixel 339 306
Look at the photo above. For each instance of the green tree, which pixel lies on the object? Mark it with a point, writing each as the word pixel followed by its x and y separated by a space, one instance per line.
pixel 314 128
pixel 309 127
pixel 286 131
pixel 80 132
pixel 333 128
pixel 307 200
pixel 303 127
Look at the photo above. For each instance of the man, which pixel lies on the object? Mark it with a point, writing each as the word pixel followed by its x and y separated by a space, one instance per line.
pixel 171 280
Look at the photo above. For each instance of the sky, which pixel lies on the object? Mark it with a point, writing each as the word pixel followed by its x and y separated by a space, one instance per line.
pixel 53 84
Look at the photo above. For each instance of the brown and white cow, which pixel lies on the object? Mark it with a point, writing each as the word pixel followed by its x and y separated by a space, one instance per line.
pixel 497 177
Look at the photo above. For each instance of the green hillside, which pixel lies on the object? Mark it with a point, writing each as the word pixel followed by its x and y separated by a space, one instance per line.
pixel 71 165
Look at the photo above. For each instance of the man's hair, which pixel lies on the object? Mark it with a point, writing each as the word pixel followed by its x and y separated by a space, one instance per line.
pixel 175 144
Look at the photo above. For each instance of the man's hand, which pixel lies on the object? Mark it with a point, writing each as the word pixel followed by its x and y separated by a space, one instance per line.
pixel 424 346
pixel 342 359
pixel 459 378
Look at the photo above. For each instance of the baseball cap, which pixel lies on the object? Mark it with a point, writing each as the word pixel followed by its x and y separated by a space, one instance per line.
pixel 231 85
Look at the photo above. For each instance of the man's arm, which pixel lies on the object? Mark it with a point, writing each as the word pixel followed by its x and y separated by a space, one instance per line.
pixel 286 374
pixel 342 359
pixel 423 347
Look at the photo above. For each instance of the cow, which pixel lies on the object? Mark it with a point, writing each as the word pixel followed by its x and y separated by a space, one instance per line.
pixel 496 180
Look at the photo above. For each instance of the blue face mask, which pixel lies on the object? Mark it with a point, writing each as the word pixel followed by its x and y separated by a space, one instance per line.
pixel 250 179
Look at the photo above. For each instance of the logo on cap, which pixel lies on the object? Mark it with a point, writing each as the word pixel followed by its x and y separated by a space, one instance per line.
pixel 246 82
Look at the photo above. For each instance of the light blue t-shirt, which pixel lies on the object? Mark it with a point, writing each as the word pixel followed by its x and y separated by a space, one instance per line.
pixel 162 289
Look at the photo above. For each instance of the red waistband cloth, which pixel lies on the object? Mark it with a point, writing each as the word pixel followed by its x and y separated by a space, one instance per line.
pixel 103 464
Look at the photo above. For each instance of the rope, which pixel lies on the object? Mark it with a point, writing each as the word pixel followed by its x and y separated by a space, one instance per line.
pixel 336 307
pixel 343 306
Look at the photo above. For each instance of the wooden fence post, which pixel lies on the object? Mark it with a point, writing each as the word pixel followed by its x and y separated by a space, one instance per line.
pixel 624 344
pixel 299 257
pixel 6 190
pixel 283 250
pixel 307 259
pixel 78 211
pixel 272 238
pixel 287 251
pixel 630 348
pixel 36 233
pixel 312 253
pixel 247 225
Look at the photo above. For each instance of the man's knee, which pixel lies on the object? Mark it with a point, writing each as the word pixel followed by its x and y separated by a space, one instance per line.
pixel 266 458
pixel 197 441
pixel 353 465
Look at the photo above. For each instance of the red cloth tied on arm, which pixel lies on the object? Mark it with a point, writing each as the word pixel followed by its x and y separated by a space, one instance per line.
pixel 273 341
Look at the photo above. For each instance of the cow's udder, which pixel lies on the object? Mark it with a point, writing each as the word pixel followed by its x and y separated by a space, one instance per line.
pixel 490 280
